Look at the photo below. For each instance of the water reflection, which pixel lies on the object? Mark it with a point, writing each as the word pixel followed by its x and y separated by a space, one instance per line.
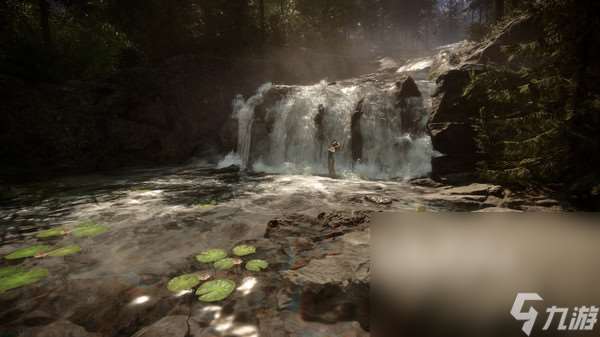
pixel 140 300
pixel 248 284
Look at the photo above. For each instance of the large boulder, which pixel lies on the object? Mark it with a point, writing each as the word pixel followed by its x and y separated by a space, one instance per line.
pixel 450 125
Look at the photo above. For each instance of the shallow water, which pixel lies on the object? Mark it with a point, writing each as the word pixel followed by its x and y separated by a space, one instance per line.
pixel 158 220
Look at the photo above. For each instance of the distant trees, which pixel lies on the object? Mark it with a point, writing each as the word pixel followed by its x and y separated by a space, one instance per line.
pixel 92 37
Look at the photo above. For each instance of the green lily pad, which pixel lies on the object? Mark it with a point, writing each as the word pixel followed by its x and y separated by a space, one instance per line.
pixel 50 233
pixel 64 251
pixel 256 265
pixel 30 251
pixel 224 264
pixel 243 250
pixel 211 255
pixel 7 271
pixel 89 229
pixel 22 278
pixel 217 290
pixel 183 282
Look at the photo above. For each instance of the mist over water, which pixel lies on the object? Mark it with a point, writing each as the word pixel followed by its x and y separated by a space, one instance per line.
pixel 297 143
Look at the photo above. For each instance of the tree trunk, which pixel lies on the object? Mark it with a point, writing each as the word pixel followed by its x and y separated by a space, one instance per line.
pixel 499 9
pixel 263 25
pixel 45 23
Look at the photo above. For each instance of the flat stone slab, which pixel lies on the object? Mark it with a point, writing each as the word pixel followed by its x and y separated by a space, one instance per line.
pixel 475 189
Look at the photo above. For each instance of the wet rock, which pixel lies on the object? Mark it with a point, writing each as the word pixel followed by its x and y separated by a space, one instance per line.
pixel 451 129
pixel 475 189
pixel 60 328
pixel 456 202
pixel 325 226
pixel 170 326
pixel 497 210
pixel 349 265
pixel 379 200
pixel 407 88
pixel 356 140
pixel 547 203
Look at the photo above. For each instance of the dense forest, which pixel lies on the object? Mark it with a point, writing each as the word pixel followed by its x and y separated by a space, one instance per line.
pixel 536 113
pixel 62 40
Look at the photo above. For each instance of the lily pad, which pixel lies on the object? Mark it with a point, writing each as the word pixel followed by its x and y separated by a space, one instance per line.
pixel 214 291
pixel 30 251
pixel 64 251
pixel 7 271
pixel 226 263
pixel 89 229
pixel 50 233
pixel 256 265
pixel 22 278
pixel 243 250
pixel 211 255
pixel 183 282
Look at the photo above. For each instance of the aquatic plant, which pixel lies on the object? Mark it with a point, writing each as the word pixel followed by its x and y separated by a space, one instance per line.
pixel 89 229
pixel 211 255
pixel 226 263
pixel 256 265
pixel 21 278
pixel 183 282
pixel 64 251
pixel 30 251
pixel 243 250
pixel 52 232
pixel 6 271
pixel 214 291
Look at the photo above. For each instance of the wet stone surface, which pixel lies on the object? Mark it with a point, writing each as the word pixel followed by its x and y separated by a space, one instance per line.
pixel 313 232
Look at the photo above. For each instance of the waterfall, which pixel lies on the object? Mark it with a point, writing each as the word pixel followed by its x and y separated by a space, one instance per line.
pixel 382 136
pixel 243 111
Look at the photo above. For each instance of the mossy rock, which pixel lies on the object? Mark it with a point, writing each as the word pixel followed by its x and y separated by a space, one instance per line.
pixel 89 229
pixel 7 271
pixel 183 282
pixel 51 233
pixel 226 263
pixel 30 251
pixel 64 251
pixel 214 291
pixel 243 250
pixel 211 255
pixel 22 278
pixel 256 265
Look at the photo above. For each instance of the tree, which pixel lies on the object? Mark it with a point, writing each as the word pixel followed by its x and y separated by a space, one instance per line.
pixel 499 8
pixel 45 23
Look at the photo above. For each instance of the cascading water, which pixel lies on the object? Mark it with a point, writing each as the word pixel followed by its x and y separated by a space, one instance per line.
pixel 382 134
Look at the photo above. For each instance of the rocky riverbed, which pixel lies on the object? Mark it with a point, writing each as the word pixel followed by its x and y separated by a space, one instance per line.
pixel 313 231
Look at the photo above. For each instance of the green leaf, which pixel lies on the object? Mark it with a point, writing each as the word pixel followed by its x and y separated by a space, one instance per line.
pixel 211 255
pixel 183 282
pixel 243 250
pixel 89 229
pixel 256 265
pixel 225 264
pixel 217 290
pixel 7 271
pixel 64 251
pixel 28 252
pixel 22 278
pixel 52 232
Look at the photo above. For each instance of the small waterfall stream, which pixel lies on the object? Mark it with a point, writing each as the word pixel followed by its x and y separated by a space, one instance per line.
pixel 286 129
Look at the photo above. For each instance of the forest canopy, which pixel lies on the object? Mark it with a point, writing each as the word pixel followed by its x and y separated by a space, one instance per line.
pixel 68 39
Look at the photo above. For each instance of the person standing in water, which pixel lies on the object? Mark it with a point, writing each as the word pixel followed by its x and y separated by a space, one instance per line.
pixel 333 148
